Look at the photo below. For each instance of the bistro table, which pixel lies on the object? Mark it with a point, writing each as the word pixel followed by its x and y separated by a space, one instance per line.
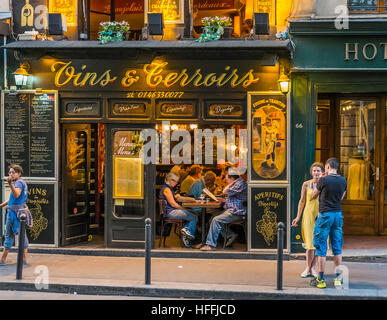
pixel 204 205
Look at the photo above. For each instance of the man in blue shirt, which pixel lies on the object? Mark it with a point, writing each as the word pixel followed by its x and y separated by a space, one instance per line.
pixel 235 205
pixel 331 190
pixel 207 181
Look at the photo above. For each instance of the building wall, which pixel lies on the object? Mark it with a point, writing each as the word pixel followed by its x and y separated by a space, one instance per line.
pixel 4 6
pixel 326 8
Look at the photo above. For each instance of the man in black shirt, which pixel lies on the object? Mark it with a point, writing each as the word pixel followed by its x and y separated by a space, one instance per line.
pixel 331 190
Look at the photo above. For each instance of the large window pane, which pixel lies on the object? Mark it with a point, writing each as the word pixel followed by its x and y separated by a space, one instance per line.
pixel 357 147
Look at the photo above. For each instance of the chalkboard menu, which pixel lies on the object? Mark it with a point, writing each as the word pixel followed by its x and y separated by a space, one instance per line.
pixel 268 208
pixel 29 133
pixel 41 203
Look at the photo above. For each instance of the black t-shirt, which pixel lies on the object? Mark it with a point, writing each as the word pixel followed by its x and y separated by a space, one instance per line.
pixel 332 188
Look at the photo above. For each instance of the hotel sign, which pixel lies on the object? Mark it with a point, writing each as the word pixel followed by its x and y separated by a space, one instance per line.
pixel 369 51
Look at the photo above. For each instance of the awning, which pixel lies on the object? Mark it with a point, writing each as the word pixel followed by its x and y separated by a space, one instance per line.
pixel 267 50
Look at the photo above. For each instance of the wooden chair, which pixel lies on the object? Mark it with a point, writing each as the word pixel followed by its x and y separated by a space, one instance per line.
pixel 165 220
pixel 241 222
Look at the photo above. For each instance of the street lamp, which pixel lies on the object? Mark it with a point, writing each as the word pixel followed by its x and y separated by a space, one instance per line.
pixel 21 75
pixel 284 83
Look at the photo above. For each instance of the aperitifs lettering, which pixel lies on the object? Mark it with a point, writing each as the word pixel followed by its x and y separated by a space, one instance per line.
pixel 154 74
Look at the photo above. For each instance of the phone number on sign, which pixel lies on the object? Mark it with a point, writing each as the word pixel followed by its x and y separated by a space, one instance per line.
pixel 155 94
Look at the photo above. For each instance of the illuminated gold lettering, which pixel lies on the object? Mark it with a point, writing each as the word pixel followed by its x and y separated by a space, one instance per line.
pixel 154 73
pixel 129 78
pixel 92 76
pixel 185 82
pixel 210 77
pixel 251 79
pixel 105 79
pixel 59 73
pixel 220 79
pixel 170 77
pixel 76 78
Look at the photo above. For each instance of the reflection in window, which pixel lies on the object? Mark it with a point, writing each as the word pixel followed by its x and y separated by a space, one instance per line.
pixel 357 147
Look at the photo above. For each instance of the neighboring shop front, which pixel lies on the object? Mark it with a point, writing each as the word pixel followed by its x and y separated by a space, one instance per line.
pixel 87 106
pixel 339 106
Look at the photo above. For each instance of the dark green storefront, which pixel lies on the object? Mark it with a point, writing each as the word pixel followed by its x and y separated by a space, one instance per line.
pixel 339 94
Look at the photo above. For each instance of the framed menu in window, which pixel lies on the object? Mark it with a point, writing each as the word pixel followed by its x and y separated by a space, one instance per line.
pixel 128 177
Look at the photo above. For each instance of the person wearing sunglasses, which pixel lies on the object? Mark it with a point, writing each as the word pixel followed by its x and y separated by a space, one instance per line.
pixel 175 210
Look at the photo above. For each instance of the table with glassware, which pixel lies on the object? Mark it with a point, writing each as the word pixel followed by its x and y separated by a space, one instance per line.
pixel 204 205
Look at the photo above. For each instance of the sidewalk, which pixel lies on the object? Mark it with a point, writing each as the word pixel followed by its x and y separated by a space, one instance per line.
pixel 189 278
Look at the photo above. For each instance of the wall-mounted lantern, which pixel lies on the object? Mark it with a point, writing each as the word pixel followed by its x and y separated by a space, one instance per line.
pixel 21 74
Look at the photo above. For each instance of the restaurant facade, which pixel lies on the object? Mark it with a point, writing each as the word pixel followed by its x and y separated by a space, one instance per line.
pixel 79 125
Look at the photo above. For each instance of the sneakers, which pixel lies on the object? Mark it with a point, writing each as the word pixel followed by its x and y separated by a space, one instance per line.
pixel 186 233
pixel 318 283
pixel 338 282
pixel 186 241
pixel 231 239
pixel 3 263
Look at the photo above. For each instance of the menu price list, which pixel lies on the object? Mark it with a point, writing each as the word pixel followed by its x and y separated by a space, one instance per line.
pixel 29 132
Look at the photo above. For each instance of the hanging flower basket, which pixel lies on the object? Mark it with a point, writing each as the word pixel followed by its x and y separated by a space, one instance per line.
pixel 213 28
pixel 113 31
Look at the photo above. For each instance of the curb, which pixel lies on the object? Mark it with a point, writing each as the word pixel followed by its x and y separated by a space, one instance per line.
pixel 138 253
pixel 197 254
pixel 365 259
pixel 199 293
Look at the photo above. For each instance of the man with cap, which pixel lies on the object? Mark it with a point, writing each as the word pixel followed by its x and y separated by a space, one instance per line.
pixel 235 209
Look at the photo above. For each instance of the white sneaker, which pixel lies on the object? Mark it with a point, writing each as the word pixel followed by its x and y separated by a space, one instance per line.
pixel 186 233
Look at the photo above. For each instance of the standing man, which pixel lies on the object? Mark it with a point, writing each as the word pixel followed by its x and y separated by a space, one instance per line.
pixel 331 190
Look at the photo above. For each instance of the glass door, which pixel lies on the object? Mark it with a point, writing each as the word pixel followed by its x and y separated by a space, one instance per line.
pixel 130 188
pixel 78 172
pixel 353 129
pixel 360 146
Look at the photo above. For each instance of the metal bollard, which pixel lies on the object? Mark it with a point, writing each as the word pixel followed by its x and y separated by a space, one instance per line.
pixel 22 234
pixel 280 258
pixel 148 239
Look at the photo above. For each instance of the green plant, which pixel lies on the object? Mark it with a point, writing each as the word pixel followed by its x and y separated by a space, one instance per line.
pixel 113 31
pixel 214 28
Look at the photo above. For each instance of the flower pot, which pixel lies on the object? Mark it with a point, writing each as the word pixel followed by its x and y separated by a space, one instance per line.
pixel 227 32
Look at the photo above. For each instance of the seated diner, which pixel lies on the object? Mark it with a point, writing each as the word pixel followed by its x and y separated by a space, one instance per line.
pixel 175 210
